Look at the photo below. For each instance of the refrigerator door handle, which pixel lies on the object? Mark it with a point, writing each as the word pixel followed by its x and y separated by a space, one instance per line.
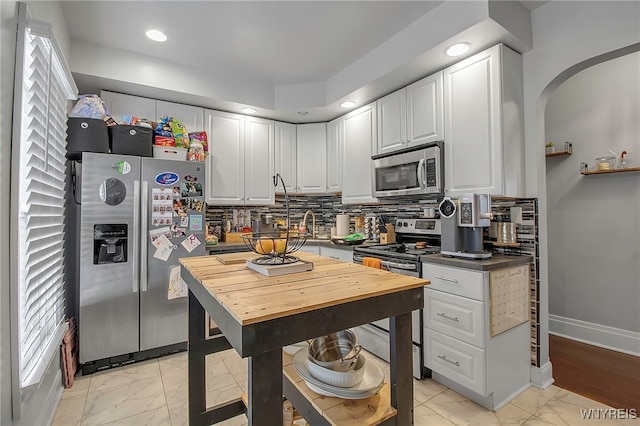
pixel 143 236
pixel 136 235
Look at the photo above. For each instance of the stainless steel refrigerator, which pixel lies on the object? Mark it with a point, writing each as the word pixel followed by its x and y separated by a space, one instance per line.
pixel 137 217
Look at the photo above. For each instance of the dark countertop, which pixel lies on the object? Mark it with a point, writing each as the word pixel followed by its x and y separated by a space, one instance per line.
pixel 497 261
pixel 239 246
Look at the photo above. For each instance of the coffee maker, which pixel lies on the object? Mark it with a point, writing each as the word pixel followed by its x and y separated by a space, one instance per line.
pixel 462 223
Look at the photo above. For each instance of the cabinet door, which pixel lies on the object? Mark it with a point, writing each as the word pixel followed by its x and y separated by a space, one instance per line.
pixel 192 117
pixel 259 159
pixel 392 119
pixel 285 162
pixel 312 158
pixel 359 140
pixel 334 155
pixel 425 111
pixel 473 157
pixel 119 104
pixel 336 253
pixel 225 163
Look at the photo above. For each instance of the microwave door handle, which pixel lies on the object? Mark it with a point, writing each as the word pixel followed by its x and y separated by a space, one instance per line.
pixel 422 173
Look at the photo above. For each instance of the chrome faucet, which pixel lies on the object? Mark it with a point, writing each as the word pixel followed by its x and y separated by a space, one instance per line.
pixel 313 222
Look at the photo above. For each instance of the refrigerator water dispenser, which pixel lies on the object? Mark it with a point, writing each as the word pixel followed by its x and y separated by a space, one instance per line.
pixel 109 243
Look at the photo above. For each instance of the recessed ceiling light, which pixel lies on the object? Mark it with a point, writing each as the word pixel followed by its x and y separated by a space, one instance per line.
pixel 248 110
pixel 458 49
pixel 303 112
pixel 156 35
pixel 348 104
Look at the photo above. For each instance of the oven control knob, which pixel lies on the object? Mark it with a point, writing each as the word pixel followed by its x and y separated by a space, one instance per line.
pixel 405 224
pixel 399 225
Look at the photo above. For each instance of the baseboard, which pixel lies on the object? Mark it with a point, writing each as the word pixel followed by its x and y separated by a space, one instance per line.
pixel 615 339
pixel 542 377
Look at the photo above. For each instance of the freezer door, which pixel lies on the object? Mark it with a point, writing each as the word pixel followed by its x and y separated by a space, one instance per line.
pixel 108 284
pixel 173 205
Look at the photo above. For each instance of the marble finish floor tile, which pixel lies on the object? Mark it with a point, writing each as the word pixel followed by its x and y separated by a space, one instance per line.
pixel 155 392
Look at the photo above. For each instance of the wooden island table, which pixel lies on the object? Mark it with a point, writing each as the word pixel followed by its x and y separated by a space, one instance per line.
pixel 259 315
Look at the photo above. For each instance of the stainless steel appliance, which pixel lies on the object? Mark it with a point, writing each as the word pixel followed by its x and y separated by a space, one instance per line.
pixel 402 257
pixel 463 221
pixel 135 218
pixel 412 171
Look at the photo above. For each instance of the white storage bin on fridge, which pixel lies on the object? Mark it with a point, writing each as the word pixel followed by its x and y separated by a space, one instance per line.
pixel 169 152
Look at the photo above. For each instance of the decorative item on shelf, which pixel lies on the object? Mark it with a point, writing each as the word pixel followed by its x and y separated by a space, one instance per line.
pixel 274 248
pixel 549 148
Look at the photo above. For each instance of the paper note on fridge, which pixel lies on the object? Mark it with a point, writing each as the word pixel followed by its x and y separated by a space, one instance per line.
pixel 164 247
pixel 177 286
pixel 191 242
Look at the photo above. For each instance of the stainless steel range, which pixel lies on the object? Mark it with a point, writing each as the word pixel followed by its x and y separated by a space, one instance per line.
pixel 415 238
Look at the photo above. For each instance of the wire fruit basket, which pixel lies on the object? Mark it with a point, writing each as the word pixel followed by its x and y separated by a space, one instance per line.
pixel 275 248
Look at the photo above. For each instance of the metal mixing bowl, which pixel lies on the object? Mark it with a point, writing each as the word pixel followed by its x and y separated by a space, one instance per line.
pixel 336 351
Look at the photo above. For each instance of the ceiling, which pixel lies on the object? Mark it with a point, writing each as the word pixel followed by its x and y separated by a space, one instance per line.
pixel 275 43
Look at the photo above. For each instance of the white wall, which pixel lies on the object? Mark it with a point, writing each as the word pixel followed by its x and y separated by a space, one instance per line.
pixel 594 221
pixel 568 36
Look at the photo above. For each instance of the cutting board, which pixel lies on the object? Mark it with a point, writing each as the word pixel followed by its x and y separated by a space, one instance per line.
pixel 230 258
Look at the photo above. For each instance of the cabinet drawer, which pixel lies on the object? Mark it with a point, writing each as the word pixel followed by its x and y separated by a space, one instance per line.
pixel 455 316
pixel 458 281
pixel 458 361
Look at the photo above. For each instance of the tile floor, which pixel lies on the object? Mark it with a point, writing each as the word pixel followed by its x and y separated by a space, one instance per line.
pixel 154 393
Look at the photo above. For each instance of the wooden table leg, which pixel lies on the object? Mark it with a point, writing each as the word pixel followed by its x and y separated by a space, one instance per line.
pixel 265 389
pixel 401 364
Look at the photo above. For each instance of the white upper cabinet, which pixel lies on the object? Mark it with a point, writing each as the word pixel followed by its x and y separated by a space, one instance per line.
pixel 285 140
pixel 425 111
pixel 359 141
pixel 225 163
pixel 192 117
pixel 334 155
pixel 119 104
pixel 411 116
pixel 312 158
pixel 259 167
pixel 392 119
pixel 484 125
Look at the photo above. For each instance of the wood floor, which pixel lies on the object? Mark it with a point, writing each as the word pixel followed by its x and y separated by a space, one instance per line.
pixel 610 377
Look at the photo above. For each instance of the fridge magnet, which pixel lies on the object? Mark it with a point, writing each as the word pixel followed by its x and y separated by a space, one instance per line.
pixel 154 234
pixel 167 178
pixel 176 192
pixel 191 189
pixel 190 178
pixel 176 231
pixel 164 248
pixel 122 167
pixel 197 205
pixel 177 286
pixel 180 207
pixel 195 222
pixel 190 243
pixel 184 221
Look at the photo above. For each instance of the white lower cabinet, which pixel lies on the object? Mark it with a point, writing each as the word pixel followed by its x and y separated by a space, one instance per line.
pixel 459 348
pixel 336 253
pixel 310 249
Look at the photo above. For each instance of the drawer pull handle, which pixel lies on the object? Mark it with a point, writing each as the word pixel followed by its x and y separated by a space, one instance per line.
pixel 451 280
pixel 445 316
pixel 444 358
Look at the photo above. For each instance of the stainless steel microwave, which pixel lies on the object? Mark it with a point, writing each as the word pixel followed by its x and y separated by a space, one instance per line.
pixel 412 171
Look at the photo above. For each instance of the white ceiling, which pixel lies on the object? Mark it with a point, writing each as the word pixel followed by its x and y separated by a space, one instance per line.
pixel 280 43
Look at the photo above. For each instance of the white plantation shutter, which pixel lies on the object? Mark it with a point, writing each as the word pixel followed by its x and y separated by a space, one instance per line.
pixel 43 89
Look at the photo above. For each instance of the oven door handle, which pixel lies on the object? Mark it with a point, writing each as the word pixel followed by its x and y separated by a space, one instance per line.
pixel 405 266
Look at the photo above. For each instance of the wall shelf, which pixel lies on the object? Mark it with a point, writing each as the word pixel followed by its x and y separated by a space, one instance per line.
pixel 584 171
pixel 568 150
